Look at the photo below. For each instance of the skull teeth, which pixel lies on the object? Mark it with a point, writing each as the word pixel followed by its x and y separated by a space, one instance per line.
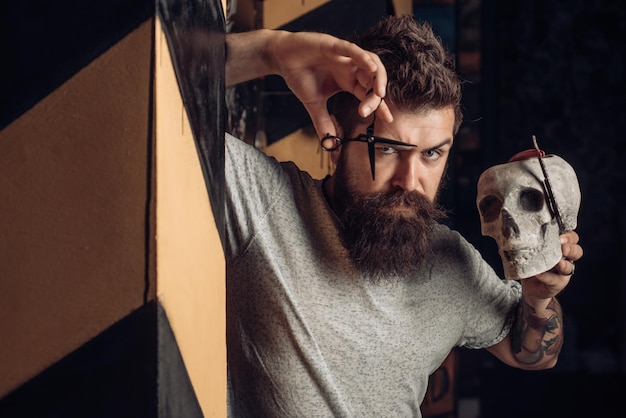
pixel 520 254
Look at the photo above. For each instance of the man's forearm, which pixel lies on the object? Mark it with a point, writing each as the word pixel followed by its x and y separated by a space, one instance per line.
pixel 537 337
pixel 246 56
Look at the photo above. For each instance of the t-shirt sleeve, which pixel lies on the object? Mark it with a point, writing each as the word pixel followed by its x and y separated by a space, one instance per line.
pixel 253 180
pixel 489 301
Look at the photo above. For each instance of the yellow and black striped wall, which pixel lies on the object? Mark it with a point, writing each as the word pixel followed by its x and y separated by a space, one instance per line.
pixel 111 267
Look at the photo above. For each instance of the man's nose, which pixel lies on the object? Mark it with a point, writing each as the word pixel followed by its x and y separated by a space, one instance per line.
pixel 408 175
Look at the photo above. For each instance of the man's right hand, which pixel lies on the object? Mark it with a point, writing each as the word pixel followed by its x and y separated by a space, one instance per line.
pixel 315 66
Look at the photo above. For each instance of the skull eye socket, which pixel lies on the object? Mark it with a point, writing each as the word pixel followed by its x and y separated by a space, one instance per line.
pixel 531 200
pixel 490 207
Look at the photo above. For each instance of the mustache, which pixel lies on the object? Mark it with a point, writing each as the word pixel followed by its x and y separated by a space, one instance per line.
pixel 399 198
pixel 421 205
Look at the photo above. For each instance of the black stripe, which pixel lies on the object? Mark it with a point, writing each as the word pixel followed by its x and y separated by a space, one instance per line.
pixel 112 375
pixel 43 43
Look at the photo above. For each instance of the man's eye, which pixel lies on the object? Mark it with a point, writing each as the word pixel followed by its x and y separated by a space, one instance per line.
pixel 386 149
pixel 432 154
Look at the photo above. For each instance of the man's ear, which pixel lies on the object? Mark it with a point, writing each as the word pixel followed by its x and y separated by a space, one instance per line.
pixel 334 155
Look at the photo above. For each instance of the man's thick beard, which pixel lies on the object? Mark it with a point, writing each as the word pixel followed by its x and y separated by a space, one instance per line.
pixel 386 244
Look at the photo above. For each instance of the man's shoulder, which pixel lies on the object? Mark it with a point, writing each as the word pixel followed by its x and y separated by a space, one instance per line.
pixel 444 233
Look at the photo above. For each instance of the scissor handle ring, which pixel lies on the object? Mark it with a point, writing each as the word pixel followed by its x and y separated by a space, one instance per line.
pixel 330 142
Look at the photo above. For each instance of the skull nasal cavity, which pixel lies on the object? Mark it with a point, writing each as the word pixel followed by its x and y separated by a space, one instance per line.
pixel 509 227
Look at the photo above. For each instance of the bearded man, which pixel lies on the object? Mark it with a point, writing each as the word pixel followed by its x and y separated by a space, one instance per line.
pixel 345 294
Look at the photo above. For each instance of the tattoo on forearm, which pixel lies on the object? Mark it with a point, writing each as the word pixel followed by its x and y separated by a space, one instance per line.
pixel 534 337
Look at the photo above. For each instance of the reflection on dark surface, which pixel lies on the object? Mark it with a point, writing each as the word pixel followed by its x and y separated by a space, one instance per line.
pixel 195 34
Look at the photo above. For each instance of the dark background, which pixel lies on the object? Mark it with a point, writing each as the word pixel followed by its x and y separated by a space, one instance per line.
pixel 554 69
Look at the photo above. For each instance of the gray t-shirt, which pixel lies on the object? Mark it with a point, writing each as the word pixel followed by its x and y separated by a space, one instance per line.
pixel 307 337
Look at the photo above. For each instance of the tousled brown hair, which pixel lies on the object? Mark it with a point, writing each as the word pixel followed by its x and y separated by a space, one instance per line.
pixel 421 73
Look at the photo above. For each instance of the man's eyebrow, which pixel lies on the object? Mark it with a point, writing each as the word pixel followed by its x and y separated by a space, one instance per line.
pixel 396 143
pixel 440 145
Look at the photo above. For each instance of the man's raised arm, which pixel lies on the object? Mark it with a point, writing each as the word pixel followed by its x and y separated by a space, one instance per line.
pixel 315 66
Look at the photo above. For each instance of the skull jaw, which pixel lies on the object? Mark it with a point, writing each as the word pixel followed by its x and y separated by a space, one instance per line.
pixel 522 263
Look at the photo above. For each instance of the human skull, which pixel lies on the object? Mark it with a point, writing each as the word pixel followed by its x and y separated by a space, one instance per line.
pixel 515 212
